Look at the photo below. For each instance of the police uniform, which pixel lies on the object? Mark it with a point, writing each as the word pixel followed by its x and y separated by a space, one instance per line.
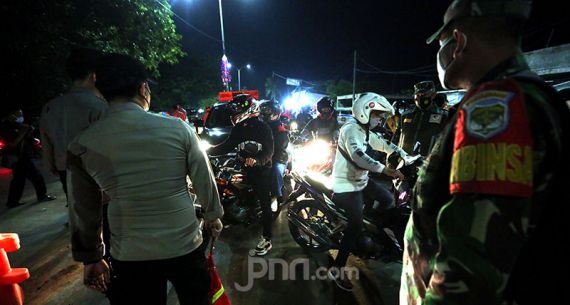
pixel 496 164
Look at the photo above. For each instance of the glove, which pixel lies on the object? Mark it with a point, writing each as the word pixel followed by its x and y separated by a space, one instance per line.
pixel 215 227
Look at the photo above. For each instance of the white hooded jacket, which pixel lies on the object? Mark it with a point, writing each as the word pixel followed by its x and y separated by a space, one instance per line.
pixel 352 139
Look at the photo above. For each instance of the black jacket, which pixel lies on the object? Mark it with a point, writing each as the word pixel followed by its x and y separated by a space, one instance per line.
pixel 280 142
pixel 252 130
pixel 325 129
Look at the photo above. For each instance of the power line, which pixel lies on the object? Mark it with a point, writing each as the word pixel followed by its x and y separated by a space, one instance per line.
pixel 414 71
pixel 187 23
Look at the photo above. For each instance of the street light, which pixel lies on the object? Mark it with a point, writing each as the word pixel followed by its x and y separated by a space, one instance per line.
pixel 248 66
pixel 225 73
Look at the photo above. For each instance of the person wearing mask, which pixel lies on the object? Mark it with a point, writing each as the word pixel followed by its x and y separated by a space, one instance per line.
pixel 65 116
pixel 350 172
pixel 20 150
pixel 178 111
pixel 425 121
pixel 141 160
pixel 325 125
pixel 254 142
pixel 492 197
pixel 271 114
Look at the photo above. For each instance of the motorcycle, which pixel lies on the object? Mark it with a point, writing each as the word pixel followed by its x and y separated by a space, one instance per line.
pixel 241 205
pixel 316 224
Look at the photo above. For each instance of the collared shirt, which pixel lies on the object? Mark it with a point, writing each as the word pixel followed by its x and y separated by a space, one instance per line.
pixel 141 161
pixel 63 118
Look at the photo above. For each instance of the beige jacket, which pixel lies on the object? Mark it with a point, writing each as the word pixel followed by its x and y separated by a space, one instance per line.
pixel 141 160
pixel 63 118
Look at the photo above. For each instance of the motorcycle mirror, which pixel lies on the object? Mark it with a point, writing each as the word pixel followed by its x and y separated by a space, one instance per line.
pixel 417 148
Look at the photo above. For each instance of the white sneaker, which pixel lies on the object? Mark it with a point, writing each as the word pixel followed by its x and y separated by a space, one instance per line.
pixel 262 248
pixel 274 205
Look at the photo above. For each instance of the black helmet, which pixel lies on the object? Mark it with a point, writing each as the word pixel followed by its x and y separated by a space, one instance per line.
pixel 325 102
pixel 269 109
pixel 423 94
pixel 243 107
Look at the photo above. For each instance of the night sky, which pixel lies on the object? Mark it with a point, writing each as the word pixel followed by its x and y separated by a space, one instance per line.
pixel 315 39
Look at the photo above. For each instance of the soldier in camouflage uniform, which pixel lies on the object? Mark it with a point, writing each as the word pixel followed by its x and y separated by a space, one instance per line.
pixel 483 203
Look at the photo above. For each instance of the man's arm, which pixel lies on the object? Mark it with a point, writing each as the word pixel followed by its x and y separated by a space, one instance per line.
pixel 47 146
pixel 202 177
pixel 307 131
pixel 352 141
pixel 85 209
pixel 266 154
pixel 377 142
pixel 281 139
pixel 480 237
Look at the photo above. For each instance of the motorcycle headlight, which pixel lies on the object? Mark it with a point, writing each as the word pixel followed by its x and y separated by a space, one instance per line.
pixel 314 153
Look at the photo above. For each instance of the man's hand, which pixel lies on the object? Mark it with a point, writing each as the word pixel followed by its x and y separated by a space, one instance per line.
pixel 215 226
pixel 96 276
pixel 396 174
pixel 250 162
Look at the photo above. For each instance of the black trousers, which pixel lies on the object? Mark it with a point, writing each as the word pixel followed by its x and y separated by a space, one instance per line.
pixel 353 204
pixel 260 181
pixel 145 282
pixel 63 180
pixel 24 169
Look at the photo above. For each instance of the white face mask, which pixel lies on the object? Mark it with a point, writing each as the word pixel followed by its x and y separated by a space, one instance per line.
pixel 374 122
pixel 20 119
pixel 443 64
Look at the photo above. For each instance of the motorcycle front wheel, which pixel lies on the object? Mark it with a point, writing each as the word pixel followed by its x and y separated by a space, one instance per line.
pixel 310 227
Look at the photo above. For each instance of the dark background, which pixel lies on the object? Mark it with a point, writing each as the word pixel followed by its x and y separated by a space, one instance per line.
pixel 314 40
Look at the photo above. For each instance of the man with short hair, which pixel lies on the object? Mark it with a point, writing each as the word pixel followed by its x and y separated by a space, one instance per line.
pixel 489 201
pixel 141 160
pixel 65 116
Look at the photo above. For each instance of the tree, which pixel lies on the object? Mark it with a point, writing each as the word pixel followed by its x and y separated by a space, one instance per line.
pixel 45 30
pixel 341 87
pixel 188 83
pixel 270 88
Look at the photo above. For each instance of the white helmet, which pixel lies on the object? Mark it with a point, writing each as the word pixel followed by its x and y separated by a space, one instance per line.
pixel 368 102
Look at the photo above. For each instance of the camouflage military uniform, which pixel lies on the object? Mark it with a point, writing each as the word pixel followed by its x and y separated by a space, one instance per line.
pixel 492 165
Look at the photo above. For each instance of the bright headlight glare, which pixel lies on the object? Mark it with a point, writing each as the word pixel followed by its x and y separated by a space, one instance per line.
pixel 294 126
pixel 204 145
pixel 313 154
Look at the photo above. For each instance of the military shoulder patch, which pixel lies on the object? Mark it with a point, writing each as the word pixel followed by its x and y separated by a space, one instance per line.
pixel 487 113
pixel 493 144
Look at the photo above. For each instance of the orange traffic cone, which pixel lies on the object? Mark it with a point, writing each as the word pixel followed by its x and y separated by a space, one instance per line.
pixel 10 292
pixel 217 293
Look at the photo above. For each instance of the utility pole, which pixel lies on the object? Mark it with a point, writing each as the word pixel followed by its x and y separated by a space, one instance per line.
pixel 225 71
pixel 354 78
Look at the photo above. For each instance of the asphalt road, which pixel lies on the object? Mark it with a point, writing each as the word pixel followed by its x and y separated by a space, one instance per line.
pixel 57 279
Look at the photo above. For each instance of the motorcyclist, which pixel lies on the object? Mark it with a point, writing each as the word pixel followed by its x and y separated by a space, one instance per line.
pixel 303 117
pixel 350 171
pixel 425 121
pixel 254 141
pixel 325 125
pixel 270 113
